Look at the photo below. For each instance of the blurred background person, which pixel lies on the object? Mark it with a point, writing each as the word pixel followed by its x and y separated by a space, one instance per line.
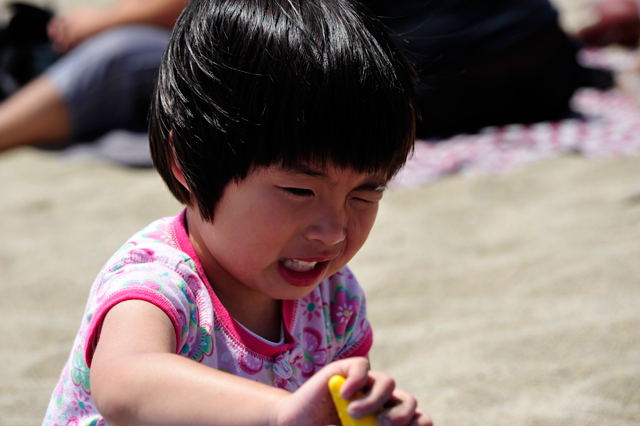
pixel 487 63
pixel 102 82
pixel 481 64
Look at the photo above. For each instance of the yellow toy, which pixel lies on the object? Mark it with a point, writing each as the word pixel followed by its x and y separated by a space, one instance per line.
pixel 335 383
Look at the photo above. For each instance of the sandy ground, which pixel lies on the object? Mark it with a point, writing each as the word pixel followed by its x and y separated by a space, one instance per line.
pixel 510 300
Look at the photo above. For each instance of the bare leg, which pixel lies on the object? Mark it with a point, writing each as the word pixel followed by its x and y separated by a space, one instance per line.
pixel 34 114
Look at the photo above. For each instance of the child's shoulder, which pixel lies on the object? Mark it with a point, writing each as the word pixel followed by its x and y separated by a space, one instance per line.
pixel 152 266
pixel 158 242
pixel 160 234
pixel 155 253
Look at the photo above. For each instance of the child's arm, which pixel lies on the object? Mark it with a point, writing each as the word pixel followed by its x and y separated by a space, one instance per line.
pixel 136 378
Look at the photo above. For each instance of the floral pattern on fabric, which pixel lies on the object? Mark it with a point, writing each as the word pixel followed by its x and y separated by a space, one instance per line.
pixel 312 306
pixel 204 343
pixel 161 233
pixel 327 324
pixel 344 312
pixel 58 394
pixel 315 356
pixel 152 284
pixel 80 371
pixel 250 365
pixel 81 403
pixel 154 266
pixel 285 369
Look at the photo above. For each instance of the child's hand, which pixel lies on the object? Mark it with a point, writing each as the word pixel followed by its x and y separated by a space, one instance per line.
pixel 393 406
pixel 313 405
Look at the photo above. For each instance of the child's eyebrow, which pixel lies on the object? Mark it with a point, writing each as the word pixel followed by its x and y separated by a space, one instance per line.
pixel 373 184
pixel 303 169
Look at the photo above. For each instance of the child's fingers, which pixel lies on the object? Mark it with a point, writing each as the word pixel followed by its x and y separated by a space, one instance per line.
pixel 356 373
pixel 400 410
pixel 421 418
pixel 313 401
pixel 380 392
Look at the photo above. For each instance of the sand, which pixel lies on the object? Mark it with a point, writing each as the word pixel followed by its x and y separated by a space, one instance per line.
pixel 496 300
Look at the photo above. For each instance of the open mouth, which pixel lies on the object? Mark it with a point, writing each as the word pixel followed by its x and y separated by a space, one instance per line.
pixel 301 273
pixel 298 265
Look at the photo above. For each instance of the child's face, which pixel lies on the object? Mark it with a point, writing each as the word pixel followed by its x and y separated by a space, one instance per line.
pixel 280 232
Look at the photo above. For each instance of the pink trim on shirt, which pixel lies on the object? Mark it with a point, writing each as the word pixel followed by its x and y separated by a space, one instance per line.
pixel 133 293
pixel 234 330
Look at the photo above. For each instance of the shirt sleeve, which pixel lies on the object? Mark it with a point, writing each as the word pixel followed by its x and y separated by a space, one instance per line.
pixel 348 315
pixel 152 282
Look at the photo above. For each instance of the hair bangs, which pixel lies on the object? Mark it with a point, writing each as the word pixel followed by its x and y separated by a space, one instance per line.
pixel 337 94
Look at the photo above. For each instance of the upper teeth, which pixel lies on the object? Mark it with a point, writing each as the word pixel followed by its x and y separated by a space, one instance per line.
pixel 299 265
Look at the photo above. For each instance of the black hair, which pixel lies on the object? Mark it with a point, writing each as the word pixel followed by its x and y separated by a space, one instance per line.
pixel 251 83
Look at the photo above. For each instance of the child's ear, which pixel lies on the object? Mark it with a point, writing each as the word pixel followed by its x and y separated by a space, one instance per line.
pixel 175 168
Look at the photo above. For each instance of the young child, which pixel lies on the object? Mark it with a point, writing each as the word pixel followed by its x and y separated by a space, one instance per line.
pixel 278 124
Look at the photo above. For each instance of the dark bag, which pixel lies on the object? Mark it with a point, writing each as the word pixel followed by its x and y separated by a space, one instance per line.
pixel 25 48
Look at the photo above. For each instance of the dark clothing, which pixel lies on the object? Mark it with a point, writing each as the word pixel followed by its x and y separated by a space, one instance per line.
pixel 484 63
pixel 437 33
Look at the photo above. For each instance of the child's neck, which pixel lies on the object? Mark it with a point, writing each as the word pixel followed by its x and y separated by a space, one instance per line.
pixel 255 311
pixel 265 320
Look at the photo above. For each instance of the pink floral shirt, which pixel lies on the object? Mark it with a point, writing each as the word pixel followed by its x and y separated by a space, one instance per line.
pixel 160 266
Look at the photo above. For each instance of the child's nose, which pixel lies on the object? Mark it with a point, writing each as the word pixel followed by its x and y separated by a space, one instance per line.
pixel 329 229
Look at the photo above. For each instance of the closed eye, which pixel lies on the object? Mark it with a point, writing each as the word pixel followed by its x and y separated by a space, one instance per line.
pixel 298 192
pixel 365 201
pixel 369 197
